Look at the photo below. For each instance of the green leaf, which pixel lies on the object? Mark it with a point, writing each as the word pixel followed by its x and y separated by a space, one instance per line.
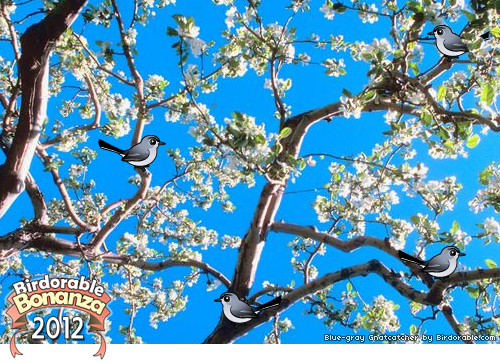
pixel 444 133
pixel 484 176
pixel 487 94
pixel 473 141
pixel 367 325
pixel 478 23
pixel 349 287
pixel 172 32
pixel 415 219
pixel 238 116
pixel 495 32
pixel 368 96
pixel 455 227
pixel 473 292
pixel 414 68
pixel 260 139
pixel 339 8
pixel 441 93
pixel 285 132
pixel 490 263
pixel 426 118
pixel 347 93
pixel 413 329
pixel 302 164
pixel 470 16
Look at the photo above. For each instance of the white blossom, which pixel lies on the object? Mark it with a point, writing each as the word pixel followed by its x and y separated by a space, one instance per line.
pixel 327 10
pixel 492 226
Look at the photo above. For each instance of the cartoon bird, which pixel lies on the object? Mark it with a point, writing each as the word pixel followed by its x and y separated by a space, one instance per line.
pixel 449 43
pixel 240 312
pixel 440 266
pixel 140 155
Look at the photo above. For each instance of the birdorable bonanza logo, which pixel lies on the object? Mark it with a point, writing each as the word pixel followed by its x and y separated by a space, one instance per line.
pixel 54 292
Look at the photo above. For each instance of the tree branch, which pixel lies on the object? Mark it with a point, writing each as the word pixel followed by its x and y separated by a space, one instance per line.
pixel 64 192
pixel 267 207
pixel 138 81
pixel 37 199
pixel 346 246
pixel 4 101
pixel 159 266
pixel 452 320
pixel 253 242
pixel 121 213
pixel 31 237
pixel 10 104
pixel 12 31
pixel 99 66
pixel 349 245
pixel 227 333
pixel 97 115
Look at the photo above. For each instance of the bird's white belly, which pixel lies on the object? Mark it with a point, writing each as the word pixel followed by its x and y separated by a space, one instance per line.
pixel 147 161
pixel 447 272
pixel 234 319
pixel 446 51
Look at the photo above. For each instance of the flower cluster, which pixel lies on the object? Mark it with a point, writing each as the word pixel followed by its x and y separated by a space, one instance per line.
pixel 334 67
pixel 155 86
pixel 379 316
pixel 489 196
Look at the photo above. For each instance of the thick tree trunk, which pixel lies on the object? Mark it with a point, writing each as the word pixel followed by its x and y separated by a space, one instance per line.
pixel 37 43
pixel 253 242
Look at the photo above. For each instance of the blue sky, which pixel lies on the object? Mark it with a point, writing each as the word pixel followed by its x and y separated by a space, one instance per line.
pixel 311 88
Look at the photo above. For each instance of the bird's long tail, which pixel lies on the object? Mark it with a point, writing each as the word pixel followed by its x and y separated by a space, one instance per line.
pixel 269 304
pixel 407 257
pixel 104 145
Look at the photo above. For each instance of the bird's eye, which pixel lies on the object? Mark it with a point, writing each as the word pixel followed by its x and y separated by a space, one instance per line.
pixel 227 298
pixel 453 253
pixel 440 31
pixel 152 142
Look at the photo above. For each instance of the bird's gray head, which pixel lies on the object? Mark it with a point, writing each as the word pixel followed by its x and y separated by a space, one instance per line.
pixel 452 252
pixel 151 142
pixel 227 298
pixel 441 31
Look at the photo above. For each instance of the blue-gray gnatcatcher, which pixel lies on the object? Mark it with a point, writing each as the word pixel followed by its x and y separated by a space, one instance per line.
pixel 139 155
pixel 440 266
pixel 449 43
pixel 239 311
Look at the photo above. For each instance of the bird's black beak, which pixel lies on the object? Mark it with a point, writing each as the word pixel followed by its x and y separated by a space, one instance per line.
pixel 461 254
pixel 161 143
pixel 431 33
pixel 217 300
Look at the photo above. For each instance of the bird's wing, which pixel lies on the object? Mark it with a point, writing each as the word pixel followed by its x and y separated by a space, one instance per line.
pixel 454 43
pixel 243 312
pixel 436 264
pixel 136 153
